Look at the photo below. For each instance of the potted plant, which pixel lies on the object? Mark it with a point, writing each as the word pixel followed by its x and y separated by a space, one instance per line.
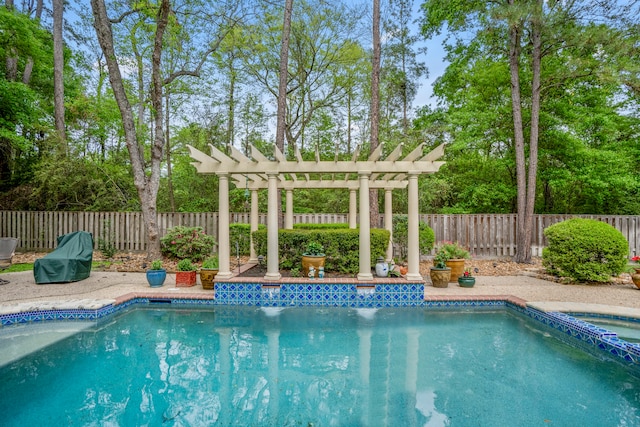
pixel 467 280
pixel 313 257
pixel 635 277
pixel 454 255
pixel 208 272
pixel 156 274
pixel 440 273
pixel 186 274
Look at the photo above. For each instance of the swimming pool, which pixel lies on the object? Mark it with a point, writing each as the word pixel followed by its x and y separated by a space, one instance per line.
pixel 317 366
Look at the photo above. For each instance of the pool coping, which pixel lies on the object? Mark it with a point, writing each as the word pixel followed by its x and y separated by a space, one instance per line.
pixel 567 325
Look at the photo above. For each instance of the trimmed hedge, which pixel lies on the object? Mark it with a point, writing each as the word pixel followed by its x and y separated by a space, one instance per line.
pixel 426 236
pixel 241 233
pixel 585 250
pixel 310 226
pixel 341 247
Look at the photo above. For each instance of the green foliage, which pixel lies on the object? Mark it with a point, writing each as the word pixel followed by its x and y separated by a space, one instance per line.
pixel 585 250
pixel 241 234
pixel 156 264
pixel 210 263
pixel 341 247
pixel 186 242
pixel 426 236
pixel 107 248
pixel 309 226
pixel 452 250
pixel 314 249
pixel 186 265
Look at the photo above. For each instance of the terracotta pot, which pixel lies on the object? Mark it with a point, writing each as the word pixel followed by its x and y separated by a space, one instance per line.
pixel 315 261
pixel 185 279
pixel 440 277
pixel 457 268
pixel 207 275
pixel 636 278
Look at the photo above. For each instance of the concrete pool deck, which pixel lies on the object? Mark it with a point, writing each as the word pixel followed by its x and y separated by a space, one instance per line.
pixel 22 294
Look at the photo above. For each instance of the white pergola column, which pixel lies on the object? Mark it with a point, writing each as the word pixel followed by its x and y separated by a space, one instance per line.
pixel 253 256
pixel 353 209
pixel 223 228
pixel 413 262
pixel 273 257
pixel 388 220
pixel 365 229
pixel 288 216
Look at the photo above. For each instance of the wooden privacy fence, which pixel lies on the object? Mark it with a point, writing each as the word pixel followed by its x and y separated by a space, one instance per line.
pixel 486 235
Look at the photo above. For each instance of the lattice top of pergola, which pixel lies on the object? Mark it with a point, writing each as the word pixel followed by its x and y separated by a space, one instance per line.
pixel 388 173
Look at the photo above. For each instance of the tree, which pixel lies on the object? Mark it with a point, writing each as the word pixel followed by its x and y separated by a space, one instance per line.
pixel 58 70
pixel 524 33
pixel 375 108
pixel 165 21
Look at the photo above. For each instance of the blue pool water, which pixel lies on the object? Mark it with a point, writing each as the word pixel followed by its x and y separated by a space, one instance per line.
pixel 246 366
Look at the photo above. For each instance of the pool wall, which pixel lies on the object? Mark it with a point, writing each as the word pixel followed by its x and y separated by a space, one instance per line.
pixel 574 331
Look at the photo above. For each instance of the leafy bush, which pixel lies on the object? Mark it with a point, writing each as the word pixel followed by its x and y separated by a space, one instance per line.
pixel 187 242
pixel 241 233
pixel 426 236
pixel 329 225
pixel 585 250
pixel 341 247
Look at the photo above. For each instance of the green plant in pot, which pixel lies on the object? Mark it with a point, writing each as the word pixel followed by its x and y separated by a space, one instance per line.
pixel 440 273
pixel 467 280
pixel 186 274
pixel 455 255
pixel 156 275
pixel 313 257
pixel 208 272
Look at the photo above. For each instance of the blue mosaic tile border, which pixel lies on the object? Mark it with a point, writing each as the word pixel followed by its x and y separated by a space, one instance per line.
pixel 588 336
pixel 90 314
pixel 319 294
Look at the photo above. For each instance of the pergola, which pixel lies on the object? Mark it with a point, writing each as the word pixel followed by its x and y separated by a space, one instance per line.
pixel 260 172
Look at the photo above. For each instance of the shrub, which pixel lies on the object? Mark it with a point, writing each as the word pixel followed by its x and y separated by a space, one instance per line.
pixel 585 250
pixel 187 242
pixel 340 247
pixel 426 236
pixel 323 226
pixel 240 234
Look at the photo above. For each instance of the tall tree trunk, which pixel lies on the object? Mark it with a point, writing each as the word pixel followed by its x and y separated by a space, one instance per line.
pixel 11 63
pixel 28 68
pixel 231 109
pixel 375 108
pixel 58 73
pixel 516 109
pixel 534 131
pixel 147 186
pixel 282 91
pixel 172 200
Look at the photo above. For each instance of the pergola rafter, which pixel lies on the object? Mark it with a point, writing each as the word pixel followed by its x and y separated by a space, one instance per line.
pixel 260 172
